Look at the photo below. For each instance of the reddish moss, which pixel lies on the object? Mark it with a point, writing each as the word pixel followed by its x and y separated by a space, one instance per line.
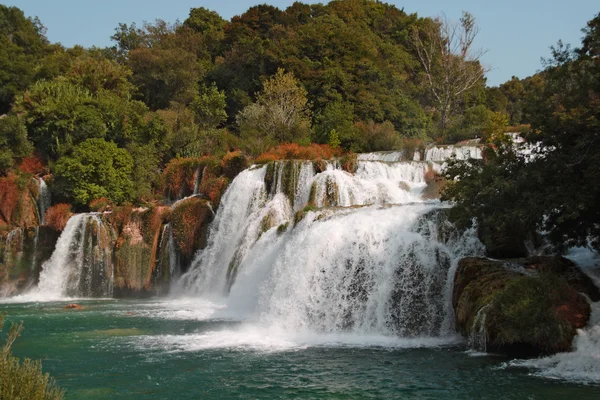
pixel 293 151
pixel 120 216
pixel 9 196
pixel 100 205
pixel 233 163
pixel 349 162
pixel 180 174
pixel 189 222
pixel 31 165
pixel 58 215
pixel 213 188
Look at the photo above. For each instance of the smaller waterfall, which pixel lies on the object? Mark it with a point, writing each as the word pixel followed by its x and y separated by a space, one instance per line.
pixel 13 249
pixel 44 200
pixel 81 265
pixel 444 153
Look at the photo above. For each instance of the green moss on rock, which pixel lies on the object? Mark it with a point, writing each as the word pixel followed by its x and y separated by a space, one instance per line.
pixel 527 312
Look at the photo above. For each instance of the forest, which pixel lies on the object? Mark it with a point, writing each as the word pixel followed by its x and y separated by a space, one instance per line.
pixel 108 125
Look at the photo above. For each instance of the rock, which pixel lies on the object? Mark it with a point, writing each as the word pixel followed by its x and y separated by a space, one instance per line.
pixel 74 306
pixel 525 307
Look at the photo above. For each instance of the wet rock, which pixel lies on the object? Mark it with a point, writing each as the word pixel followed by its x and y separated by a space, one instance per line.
pixel 525 307
pixel 74 306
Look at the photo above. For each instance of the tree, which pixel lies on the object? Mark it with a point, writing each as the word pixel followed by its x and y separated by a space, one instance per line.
pixel 95 169
pixel 13 141
pixel 209 106
pixel 450 64
pixel 22 45
pixel 556 190
pixel 280 111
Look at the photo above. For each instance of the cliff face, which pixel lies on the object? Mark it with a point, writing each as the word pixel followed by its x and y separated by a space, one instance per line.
pixel 18 202
pixel 22 253
pixel 521 307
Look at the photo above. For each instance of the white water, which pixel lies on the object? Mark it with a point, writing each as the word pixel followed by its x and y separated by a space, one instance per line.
pixel 372 265
pixel 443 153
pixel 80 266
pixel 44 200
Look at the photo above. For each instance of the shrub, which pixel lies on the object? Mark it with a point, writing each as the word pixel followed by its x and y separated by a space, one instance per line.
pixel 58 215
pixel 23 379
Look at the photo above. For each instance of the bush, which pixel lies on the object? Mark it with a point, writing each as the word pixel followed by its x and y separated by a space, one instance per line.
pixel 96 168
pixel 23 379
pixel 58 215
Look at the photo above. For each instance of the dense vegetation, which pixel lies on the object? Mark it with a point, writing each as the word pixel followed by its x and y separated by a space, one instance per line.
pixel 354 75
pixel 105 122
pixel 555 189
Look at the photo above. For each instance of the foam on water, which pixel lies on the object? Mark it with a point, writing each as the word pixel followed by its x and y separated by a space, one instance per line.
pixel 581 365
pixel 251 337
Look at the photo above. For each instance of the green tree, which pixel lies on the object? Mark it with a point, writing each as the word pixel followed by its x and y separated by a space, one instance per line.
pixel 13 141
pixel 280 112
pixel 95 169
pixel 555 190
pixel 22 45
pixel 209 107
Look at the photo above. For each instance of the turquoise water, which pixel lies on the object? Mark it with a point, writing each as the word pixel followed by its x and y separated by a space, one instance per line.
pixel 166 349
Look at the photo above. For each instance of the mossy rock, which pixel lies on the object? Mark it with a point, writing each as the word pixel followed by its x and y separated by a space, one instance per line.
pixel 22 258
pixel 527 313
pixel 233 163
pixel 190 220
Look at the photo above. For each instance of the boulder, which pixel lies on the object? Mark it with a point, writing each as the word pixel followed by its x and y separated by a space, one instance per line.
pixel 74 306
pixel 524 307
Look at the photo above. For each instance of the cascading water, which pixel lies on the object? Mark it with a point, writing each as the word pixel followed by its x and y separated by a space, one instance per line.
pixel 44 200
pixel 374 258
pixel 81 265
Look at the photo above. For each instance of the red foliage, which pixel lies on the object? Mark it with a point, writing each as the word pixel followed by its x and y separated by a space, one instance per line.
pixel 213 188
pixel 293 151
pixel 189 221
pixel 180 173
pixel 31 165
pixel 233 163
pixel 100 205
pixel 58 215
pixel 9 196
pixel 120 216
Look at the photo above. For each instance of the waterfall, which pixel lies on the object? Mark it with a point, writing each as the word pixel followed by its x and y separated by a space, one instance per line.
pixel 44 200
pixel 81 265
pixel 13 247
pixel 369 256
pixel 443 153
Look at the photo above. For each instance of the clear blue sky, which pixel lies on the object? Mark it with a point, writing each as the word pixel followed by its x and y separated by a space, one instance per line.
pixel 516 33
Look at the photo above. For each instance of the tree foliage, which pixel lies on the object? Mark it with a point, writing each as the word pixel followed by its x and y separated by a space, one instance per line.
pixel 280 112
pixel 95 169
pixel 555 190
